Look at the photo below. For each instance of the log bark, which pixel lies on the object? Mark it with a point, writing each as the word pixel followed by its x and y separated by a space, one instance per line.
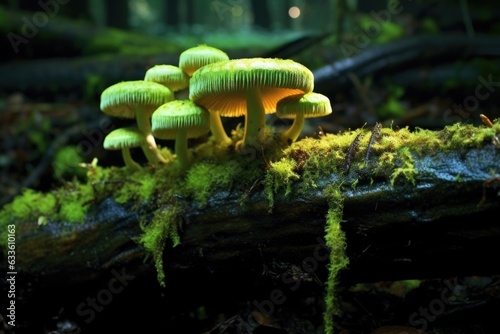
pixel 441 226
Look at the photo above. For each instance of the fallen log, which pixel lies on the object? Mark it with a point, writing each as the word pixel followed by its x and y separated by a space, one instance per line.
pixel 432 219
pixel 430 213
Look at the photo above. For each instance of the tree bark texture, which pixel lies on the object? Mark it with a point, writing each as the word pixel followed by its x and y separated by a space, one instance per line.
pixel 441 226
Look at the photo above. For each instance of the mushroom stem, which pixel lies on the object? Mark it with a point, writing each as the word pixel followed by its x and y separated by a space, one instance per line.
pixel 181 148
pixel 295 129
pixel 255 118
pixel 129 162
pixel 217 128
pixel 150 149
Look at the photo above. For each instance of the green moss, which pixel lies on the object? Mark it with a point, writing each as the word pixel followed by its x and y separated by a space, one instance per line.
pixel 163 227
pixel 335 240
pixel 72 212
pixel 206 178
pixel 406 168
pixel 30 204
pixel 66 163
pixel 279 176
pixel 137 187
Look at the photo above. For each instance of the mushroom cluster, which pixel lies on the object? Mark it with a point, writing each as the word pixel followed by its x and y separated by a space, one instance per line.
pixel 214 86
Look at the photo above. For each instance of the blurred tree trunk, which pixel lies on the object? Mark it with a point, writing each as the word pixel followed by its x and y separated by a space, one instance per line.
pixel 172 15
pixel 77 9
pixel 117 14
pixel 261 15
pixel 190 13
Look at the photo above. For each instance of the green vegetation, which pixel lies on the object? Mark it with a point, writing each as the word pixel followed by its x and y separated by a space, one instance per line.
pixel 158 233
pixel 335 240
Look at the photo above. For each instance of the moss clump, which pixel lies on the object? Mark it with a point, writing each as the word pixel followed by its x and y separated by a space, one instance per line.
pixel 406 168
pixel 205 178
pixel 66 163
pixel 163 227
pixel 137 187
pixel 279 176
pixel 29 205
pixel 335 240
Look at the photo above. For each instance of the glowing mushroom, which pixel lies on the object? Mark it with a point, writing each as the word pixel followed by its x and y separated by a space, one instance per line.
pixel 170 76
pixel 137 99
pixel 193 58
pixel 180 120
pixel 124 139
pixel 190 61
pixel 299 107
pixel 249 87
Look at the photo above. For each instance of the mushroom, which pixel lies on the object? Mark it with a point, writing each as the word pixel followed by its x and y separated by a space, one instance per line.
pixel 123 139
pixel 299 107
pixel 170 76
pixel 137 99
pixel 251 87
pixel 191 60
pixel 180 120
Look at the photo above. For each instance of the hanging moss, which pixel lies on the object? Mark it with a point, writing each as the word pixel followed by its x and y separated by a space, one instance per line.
pixel 280 176
pixel 164 228
pixel 335 240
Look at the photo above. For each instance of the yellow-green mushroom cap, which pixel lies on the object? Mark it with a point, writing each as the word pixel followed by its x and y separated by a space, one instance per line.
pixel 223 86
pixel 300 107
pixel 193 58
pixel 308 105
pixel 123 99
pixel 168 75
pixel 123 138
pixel 177 115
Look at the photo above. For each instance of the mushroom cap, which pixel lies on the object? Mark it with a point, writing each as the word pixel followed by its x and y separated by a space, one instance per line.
pixel 168 75
pixel 310 105
pixel 124 98
pixel 222 86
pixel 193 58
pixel 180 114
pixel 123 138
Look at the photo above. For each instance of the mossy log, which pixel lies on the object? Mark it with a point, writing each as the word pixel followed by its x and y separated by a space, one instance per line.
pixel 407 204
pixel 437 222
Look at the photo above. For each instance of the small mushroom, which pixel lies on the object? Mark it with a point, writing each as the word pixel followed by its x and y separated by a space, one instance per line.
pixel 180 120
pixel 193 58
pixel 170 76
pixel 299 107
pixel 190 61
pixel 124 139
pixel 137 99
pixel 251 87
